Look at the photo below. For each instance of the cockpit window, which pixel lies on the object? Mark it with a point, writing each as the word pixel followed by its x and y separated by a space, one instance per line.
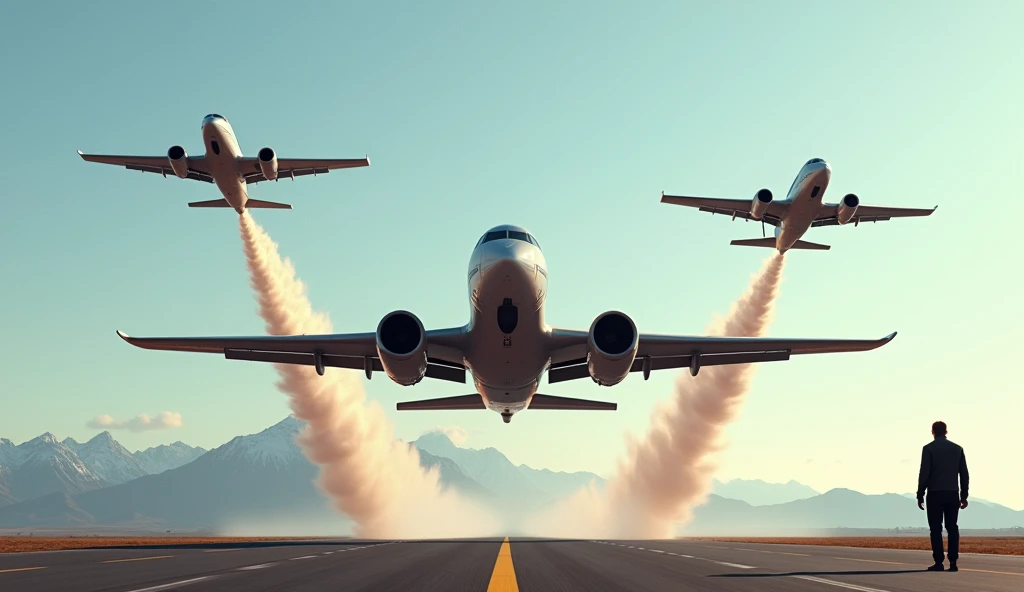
pixel 814 160
pixel 494 235
pixel 214 115
pixel 512 234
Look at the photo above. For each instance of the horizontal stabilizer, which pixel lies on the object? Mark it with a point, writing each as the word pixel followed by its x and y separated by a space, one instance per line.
pixel 771 244
pixel 540 401
pixel 213 203
pixel 473 401
pixel 269 205
pixel 755 242
pixel 809 246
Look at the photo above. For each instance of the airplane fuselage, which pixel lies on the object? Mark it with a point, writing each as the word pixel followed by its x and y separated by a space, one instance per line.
pixel 805 203
pixel 508 340
pixel 222 154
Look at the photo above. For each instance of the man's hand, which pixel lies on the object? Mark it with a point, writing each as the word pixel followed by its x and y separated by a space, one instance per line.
pixel 963 504
pixel 920 504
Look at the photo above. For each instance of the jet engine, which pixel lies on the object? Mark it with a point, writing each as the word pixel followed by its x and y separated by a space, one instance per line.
pixel 762 199
pixel 402 347
pixel 611 348
pixel 179 161
pixel 847 208
pixel 268 163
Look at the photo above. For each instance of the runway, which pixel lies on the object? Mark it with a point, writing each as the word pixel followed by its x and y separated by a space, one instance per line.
pixel 489 564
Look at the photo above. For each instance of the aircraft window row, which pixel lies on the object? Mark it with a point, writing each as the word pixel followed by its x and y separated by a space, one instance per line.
pixel 512 234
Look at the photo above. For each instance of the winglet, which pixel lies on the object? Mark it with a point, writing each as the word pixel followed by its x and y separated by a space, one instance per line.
pixel 82 154
pixel 123 336
pixel 886 339
pixel 367 157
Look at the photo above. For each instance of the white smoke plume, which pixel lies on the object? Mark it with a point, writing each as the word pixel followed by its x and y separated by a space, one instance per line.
pixel 668 472
pixel 142 422
pixel 369 475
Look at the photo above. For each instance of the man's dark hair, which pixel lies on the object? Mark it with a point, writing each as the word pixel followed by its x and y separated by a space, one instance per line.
pixel 939 428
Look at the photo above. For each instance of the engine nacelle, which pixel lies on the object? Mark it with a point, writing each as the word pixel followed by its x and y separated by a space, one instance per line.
pixel 402 347
pixel 847 208
pixel 611 348
pixel 762 199
pixel 268 163
pixel 179 161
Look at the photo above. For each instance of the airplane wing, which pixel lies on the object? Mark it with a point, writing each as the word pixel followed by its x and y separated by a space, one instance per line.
pixel 289 168
pixel 869 214
pixel 661 352
pixel 357 351
pixel 737 208
pixel 152 164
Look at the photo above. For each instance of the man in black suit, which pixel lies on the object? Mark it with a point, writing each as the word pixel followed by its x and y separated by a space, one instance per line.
pixel 941 463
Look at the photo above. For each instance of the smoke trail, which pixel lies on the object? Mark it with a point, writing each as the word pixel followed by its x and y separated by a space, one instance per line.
pixel 373 478
pixel 668 473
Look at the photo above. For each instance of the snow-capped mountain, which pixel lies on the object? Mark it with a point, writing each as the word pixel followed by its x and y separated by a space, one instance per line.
pixel 49 466
pixel 165 457
pixel 274 446
pixel 6 497
pixel 107 459
pixel 10 455
pixel 493 470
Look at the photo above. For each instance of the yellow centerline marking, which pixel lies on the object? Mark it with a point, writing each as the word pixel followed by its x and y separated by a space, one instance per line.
pixel 503 578
pixel 137 559
pixel 21 569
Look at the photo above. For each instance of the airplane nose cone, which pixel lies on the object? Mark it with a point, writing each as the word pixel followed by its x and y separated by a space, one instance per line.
pixel 507 256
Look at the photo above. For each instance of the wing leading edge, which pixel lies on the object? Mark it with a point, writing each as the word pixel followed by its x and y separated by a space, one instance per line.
pixel 736 208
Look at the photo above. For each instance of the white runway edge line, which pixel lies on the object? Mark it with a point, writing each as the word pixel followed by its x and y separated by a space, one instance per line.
pixel 840 584
pixel 260 566
pixel 174 584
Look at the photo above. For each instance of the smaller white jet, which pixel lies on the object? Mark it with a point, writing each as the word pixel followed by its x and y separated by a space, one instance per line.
pixel 801 210
pixel 224 165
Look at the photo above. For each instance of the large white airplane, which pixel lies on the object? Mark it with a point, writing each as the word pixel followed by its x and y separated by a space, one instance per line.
pixel 224 165
pixel 507 346
pixel 801 210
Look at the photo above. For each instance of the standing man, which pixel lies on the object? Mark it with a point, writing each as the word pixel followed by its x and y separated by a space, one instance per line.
pixel 942 462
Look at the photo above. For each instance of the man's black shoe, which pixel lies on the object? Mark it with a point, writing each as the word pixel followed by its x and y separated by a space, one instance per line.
pixel 937 567
pixel 953 567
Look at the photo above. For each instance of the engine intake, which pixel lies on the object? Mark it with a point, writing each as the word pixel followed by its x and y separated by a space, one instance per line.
pixel 758 207
pixel 611 348
pixel 268 163
pixel 847 208
pixel 179 161
pixel 402 347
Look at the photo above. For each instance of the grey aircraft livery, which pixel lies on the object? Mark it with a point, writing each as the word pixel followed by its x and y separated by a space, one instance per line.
pixel 507 346
pixel 224 165
pixel 801 210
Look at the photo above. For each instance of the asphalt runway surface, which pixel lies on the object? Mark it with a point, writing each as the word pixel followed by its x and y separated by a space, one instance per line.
pixel 489 564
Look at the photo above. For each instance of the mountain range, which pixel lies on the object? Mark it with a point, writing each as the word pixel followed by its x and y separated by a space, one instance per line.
pixel 45 465
pixel 262 484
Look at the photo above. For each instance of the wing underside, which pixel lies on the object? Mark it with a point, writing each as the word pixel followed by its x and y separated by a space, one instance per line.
pixel 289 168
pixel 352 351
pixel 734 208
pixel 869 214
pixel 662 352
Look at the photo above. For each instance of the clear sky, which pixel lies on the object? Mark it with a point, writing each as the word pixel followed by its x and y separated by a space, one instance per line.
pixel 569 119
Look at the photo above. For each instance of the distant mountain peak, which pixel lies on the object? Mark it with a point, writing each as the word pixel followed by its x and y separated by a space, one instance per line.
pixel 104 436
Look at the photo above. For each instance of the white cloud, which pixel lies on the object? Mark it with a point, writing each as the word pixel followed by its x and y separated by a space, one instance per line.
pixel 140 423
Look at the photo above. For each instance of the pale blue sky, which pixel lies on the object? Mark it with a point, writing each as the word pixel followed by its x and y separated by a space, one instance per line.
pixel 568 119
